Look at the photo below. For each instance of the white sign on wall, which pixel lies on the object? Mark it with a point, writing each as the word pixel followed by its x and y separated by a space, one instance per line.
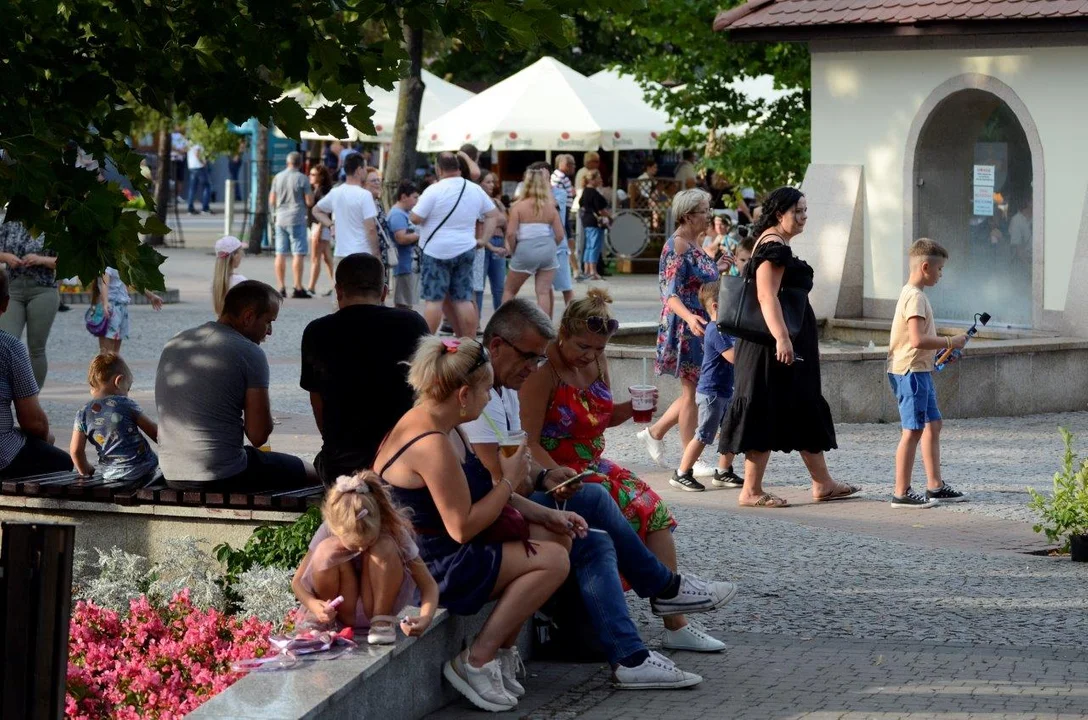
pixel 984 201
pixel 984 175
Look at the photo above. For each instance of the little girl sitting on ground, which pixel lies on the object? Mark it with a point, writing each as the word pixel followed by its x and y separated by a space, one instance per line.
pixel 228 256
pixel 112 422
pixel 364 553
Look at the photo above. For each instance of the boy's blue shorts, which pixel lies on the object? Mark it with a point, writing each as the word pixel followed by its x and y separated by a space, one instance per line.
pixel 917 397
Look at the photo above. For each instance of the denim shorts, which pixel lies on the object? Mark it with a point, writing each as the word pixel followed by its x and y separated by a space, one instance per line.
pixel 292 240
pixel 711 411
pixel 563 281
pixel 451 278
pixel 917 398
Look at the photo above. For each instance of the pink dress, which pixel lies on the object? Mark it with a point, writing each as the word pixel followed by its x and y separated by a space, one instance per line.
pixel 326 551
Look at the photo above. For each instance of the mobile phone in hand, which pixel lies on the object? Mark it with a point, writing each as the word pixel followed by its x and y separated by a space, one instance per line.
pixel 577 478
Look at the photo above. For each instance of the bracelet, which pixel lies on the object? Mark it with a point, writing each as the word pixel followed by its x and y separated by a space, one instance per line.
pixel 509 485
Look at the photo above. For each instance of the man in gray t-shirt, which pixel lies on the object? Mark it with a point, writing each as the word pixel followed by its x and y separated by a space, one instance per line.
pixel 211 391
pixel 290 197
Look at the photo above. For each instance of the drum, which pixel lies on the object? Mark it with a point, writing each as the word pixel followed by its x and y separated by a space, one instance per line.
pixel 630 233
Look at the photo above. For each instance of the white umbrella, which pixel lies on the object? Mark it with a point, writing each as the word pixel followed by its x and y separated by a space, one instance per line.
pixel 546 106
pixel 439 97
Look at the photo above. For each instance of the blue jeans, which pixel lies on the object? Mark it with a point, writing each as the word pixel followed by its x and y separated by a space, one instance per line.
pixel 494 275
pixel 598 561
pixel 200 177
pixel 594 242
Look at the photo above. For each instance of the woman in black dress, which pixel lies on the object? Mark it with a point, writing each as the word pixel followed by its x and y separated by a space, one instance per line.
pixel 777 403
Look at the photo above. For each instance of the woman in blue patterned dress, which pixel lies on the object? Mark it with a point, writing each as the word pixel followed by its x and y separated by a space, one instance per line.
pixel 684 268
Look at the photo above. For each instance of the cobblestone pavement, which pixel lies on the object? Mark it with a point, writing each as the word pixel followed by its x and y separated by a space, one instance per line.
pixel 846 610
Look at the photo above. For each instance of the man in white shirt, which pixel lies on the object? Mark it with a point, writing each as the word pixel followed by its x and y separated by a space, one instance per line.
pixel 198 177
pixel 446 215
pixel 685 171
pixel 349 212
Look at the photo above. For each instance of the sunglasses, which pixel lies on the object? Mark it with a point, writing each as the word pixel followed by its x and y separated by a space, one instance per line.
pixel 602 326
pixel 530 357
pixel 483 359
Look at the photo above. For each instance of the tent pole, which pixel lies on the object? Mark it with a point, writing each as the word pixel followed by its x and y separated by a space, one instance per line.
pixel 615 180
pixel 548 156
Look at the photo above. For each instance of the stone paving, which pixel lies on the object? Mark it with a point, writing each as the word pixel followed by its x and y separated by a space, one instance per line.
pixel 846 610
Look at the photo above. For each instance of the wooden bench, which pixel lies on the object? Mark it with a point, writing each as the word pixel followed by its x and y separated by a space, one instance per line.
pixel 71 486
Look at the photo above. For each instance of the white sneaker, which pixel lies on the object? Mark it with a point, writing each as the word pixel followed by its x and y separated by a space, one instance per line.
pixel 383 630
pixel 483 686
pixel 692 638
pixel 656 448
pixel 657 672
pixel 695 596
pixel 702 469
pixel 511 665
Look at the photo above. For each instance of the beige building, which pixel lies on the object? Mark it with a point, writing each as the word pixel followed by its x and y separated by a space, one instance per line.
pixel 959 120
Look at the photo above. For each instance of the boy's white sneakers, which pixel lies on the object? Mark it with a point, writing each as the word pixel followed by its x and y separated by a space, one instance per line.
pixel 482 686
pixel 656 672
pixel 693 639
pixel 655 447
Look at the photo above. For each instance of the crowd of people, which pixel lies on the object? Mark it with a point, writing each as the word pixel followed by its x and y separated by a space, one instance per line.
pixel 477 472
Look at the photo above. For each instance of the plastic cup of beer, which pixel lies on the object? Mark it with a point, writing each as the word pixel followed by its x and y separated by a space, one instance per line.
pixel 643 402
pixel 510 441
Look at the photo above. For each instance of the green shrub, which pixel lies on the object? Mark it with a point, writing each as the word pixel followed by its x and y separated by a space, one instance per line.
pixel 278 546
pixel 1064 512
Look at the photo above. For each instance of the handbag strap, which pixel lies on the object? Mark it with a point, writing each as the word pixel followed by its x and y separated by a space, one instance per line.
pixel 455 204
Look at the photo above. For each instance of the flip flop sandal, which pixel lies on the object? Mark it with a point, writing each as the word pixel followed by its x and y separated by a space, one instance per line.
pixel 766 500
pixel 841 492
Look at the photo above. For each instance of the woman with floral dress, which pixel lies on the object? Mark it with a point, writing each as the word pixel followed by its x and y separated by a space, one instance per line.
pixel 566 407
pixel 685 267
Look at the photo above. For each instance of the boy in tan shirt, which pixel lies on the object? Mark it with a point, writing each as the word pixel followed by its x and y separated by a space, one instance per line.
pixel 914 341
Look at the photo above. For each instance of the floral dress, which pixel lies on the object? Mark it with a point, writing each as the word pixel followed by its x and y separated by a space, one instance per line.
pixel 679 351
pixel 573 434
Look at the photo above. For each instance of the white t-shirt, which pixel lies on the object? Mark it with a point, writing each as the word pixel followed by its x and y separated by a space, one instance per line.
pixel 504 410
pixel 458 234
pixel 195 156
pixel 350 205
pixel 1020 230
pixel 235 278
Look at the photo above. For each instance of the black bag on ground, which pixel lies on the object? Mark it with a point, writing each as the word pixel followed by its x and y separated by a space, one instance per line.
pixel 740 315
pixel 562 631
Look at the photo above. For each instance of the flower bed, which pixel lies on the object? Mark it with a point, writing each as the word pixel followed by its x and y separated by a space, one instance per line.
pixel 154 662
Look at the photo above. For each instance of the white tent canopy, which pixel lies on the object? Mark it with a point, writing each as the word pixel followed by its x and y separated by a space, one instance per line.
pixel 546 106
pixel 439 97
pixel 621 84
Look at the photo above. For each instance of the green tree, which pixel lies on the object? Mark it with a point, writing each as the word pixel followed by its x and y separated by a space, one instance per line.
pixel 70 72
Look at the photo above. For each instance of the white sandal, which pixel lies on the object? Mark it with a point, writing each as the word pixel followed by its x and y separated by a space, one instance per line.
pixel 383 630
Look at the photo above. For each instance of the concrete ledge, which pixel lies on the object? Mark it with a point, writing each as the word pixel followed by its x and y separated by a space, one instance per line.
pixel 140 529
pixel 397 682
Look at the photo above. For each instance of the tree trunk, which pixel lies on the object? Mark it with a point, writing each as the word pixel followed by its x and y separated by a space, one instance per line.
pixel 402 155
pixel 260 216
pixel 163 175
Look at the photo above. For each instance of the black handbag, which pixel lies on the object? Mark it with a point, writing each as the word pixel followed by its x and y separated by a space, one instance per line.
pixel 740 315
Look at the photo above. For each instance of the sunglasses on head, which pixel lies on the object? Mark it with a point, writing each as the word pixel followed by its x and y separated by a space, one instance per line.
pixel 601 325
pixel 454 345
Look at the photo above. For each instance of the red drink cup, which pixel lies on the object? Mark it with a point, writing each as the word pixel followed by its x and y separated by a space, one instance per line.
pixel 643 402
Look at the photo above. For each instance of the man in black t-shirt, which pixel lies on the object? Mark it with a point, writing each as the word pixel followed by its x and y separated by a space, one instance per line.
pixel 352 366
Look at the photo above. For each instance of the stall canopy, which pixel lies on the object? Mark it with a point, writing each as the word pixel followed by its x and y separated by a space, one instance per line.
pixel 546 106
pixel 439 97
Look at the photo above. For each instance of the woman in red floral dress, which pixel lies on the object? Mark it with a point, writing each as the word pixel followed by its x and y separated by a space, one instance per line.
pixel 566 407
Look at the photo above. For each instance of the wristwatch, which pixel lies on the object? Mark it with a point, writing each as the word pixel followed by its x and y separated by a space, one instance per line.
pixel 540 476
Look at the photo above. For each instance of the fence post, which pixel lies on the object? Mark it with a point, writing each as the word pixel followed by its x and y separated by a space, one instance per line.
pixel 35 605
pixel 228 207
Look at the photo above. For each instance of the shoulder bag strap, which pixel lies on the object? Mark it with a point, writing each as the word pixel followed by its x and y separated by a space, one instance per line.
pixel 455 204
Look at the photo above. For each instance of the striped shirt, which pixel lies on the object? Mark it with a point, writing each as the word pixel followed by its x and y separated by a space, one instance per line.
pixel 16 382
pixel 560 180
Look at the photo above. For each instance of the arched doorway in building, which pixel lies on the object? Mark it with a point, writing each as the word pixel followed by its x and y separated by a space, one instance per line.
pixel 976 184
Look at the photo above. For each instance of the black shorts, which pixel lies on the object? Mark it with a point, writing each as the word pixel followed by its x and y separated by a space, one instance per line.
pixel 265 472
